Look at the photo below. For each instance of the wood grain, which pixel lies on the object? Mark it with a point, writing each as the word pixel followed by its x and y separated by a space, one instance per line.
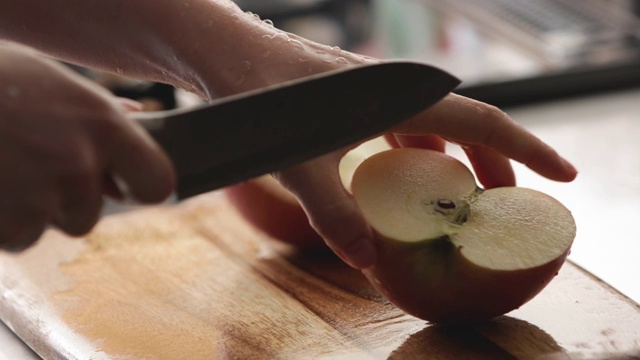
pixel 195 281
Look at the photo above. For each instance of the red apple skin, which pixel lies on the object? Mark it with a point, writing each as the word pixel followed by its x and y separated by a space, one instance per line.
pixel 264 203
pixel 465 293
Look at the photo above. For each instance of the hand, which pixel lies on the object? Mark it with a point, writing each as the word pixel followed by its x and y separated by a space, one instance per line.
pixel 270 56
pixel 61 139
pixel 488 136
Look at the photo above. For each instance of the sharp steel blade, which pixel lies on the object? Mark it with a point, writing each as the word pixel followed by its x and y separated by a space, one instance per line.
pixel 258 132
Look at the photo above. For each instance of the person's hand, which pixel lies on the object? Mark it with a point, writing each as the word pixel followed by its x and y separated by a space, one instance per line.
pixel 489 137
pixel 59 136
pixel 62 140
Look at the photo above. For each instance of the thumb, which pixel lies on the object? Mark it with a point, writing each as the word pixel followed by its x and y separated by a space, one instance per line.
pixel 331 210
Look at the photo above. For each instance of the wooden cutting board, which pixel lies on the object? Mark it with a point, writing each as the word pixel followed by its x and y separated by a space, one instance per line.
pixel 195 281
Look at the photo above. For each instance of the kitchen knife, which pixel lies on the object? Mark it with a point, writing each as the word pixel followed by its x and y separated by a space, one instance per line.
pixel 241 137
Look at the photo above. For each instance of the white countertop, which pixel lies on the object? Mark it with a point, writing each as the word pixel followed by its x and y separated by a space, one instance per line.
pixel 12 348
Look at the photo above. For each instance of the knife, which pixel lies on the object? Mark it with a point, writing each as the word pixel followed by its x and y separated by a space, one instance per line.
pixel 254 133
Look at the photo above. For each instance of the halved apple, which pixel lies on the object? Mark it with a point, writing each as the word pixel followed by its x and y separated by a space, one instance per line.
pixel 450 251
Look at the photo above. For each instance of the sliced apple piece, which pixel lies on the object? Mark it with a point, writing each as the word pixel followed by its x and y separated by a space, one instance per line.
pixel 270 207
pixel 450 251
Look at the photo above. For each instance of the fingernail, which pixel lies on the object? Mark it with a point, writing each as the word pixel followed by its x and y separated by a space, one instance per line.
pixel 130 105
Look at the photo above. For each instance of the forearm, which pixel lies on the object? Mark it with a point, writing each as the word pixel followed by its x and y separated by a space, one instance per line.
pixel 209 47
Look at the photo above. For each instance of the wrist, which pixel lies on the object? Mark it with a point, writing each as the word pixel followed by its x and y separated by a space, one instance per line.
pixel 233 52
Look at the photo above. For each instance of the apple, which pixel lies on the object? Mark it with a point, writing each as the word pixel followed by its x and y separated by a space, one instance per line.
pixel 270 207
pixel 449 251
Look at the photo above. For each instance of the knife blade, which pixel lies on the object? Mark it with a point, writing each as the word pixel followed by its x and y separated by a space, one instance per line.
pixel 254 133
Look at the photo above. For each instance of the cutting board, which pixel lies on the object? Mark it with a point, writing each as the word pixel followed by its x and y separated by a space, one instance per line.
pixel 195 281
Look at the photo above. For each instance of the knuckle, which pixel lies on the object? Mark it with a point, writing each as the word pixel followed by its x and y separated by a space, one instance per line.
pixel 495 119
pixel 492 114
pixel 99 120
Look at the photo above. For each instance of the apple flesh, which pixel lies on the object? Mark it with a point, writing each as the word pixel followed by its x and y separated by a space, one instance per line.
pixel 449 251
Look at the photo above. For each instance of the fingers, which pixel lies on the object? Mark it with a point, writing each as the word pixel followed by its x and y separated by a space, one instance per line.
pixel 424 141
pixel 19 239
pixel 60 138
pixel 470 122
pixel 24 216
pixel 491 167
pixel 142 166
pixel 80 185
pixel 128 154
pixel 16 234
pixel 73 173
pixel 331 210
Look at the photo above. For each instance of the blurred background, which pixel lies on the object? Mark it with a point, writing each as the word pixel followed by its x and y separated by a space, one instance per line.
pixel 507 52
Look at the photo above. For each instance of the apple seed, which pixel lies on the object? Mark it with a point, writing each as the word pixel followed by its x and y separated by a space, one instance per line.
pixel 446 204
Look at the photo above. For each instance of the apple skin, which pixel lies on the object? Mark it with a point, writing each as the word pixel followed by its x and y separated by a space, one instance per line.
pixel 430 277
pixel 476 295
pixel 267 205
